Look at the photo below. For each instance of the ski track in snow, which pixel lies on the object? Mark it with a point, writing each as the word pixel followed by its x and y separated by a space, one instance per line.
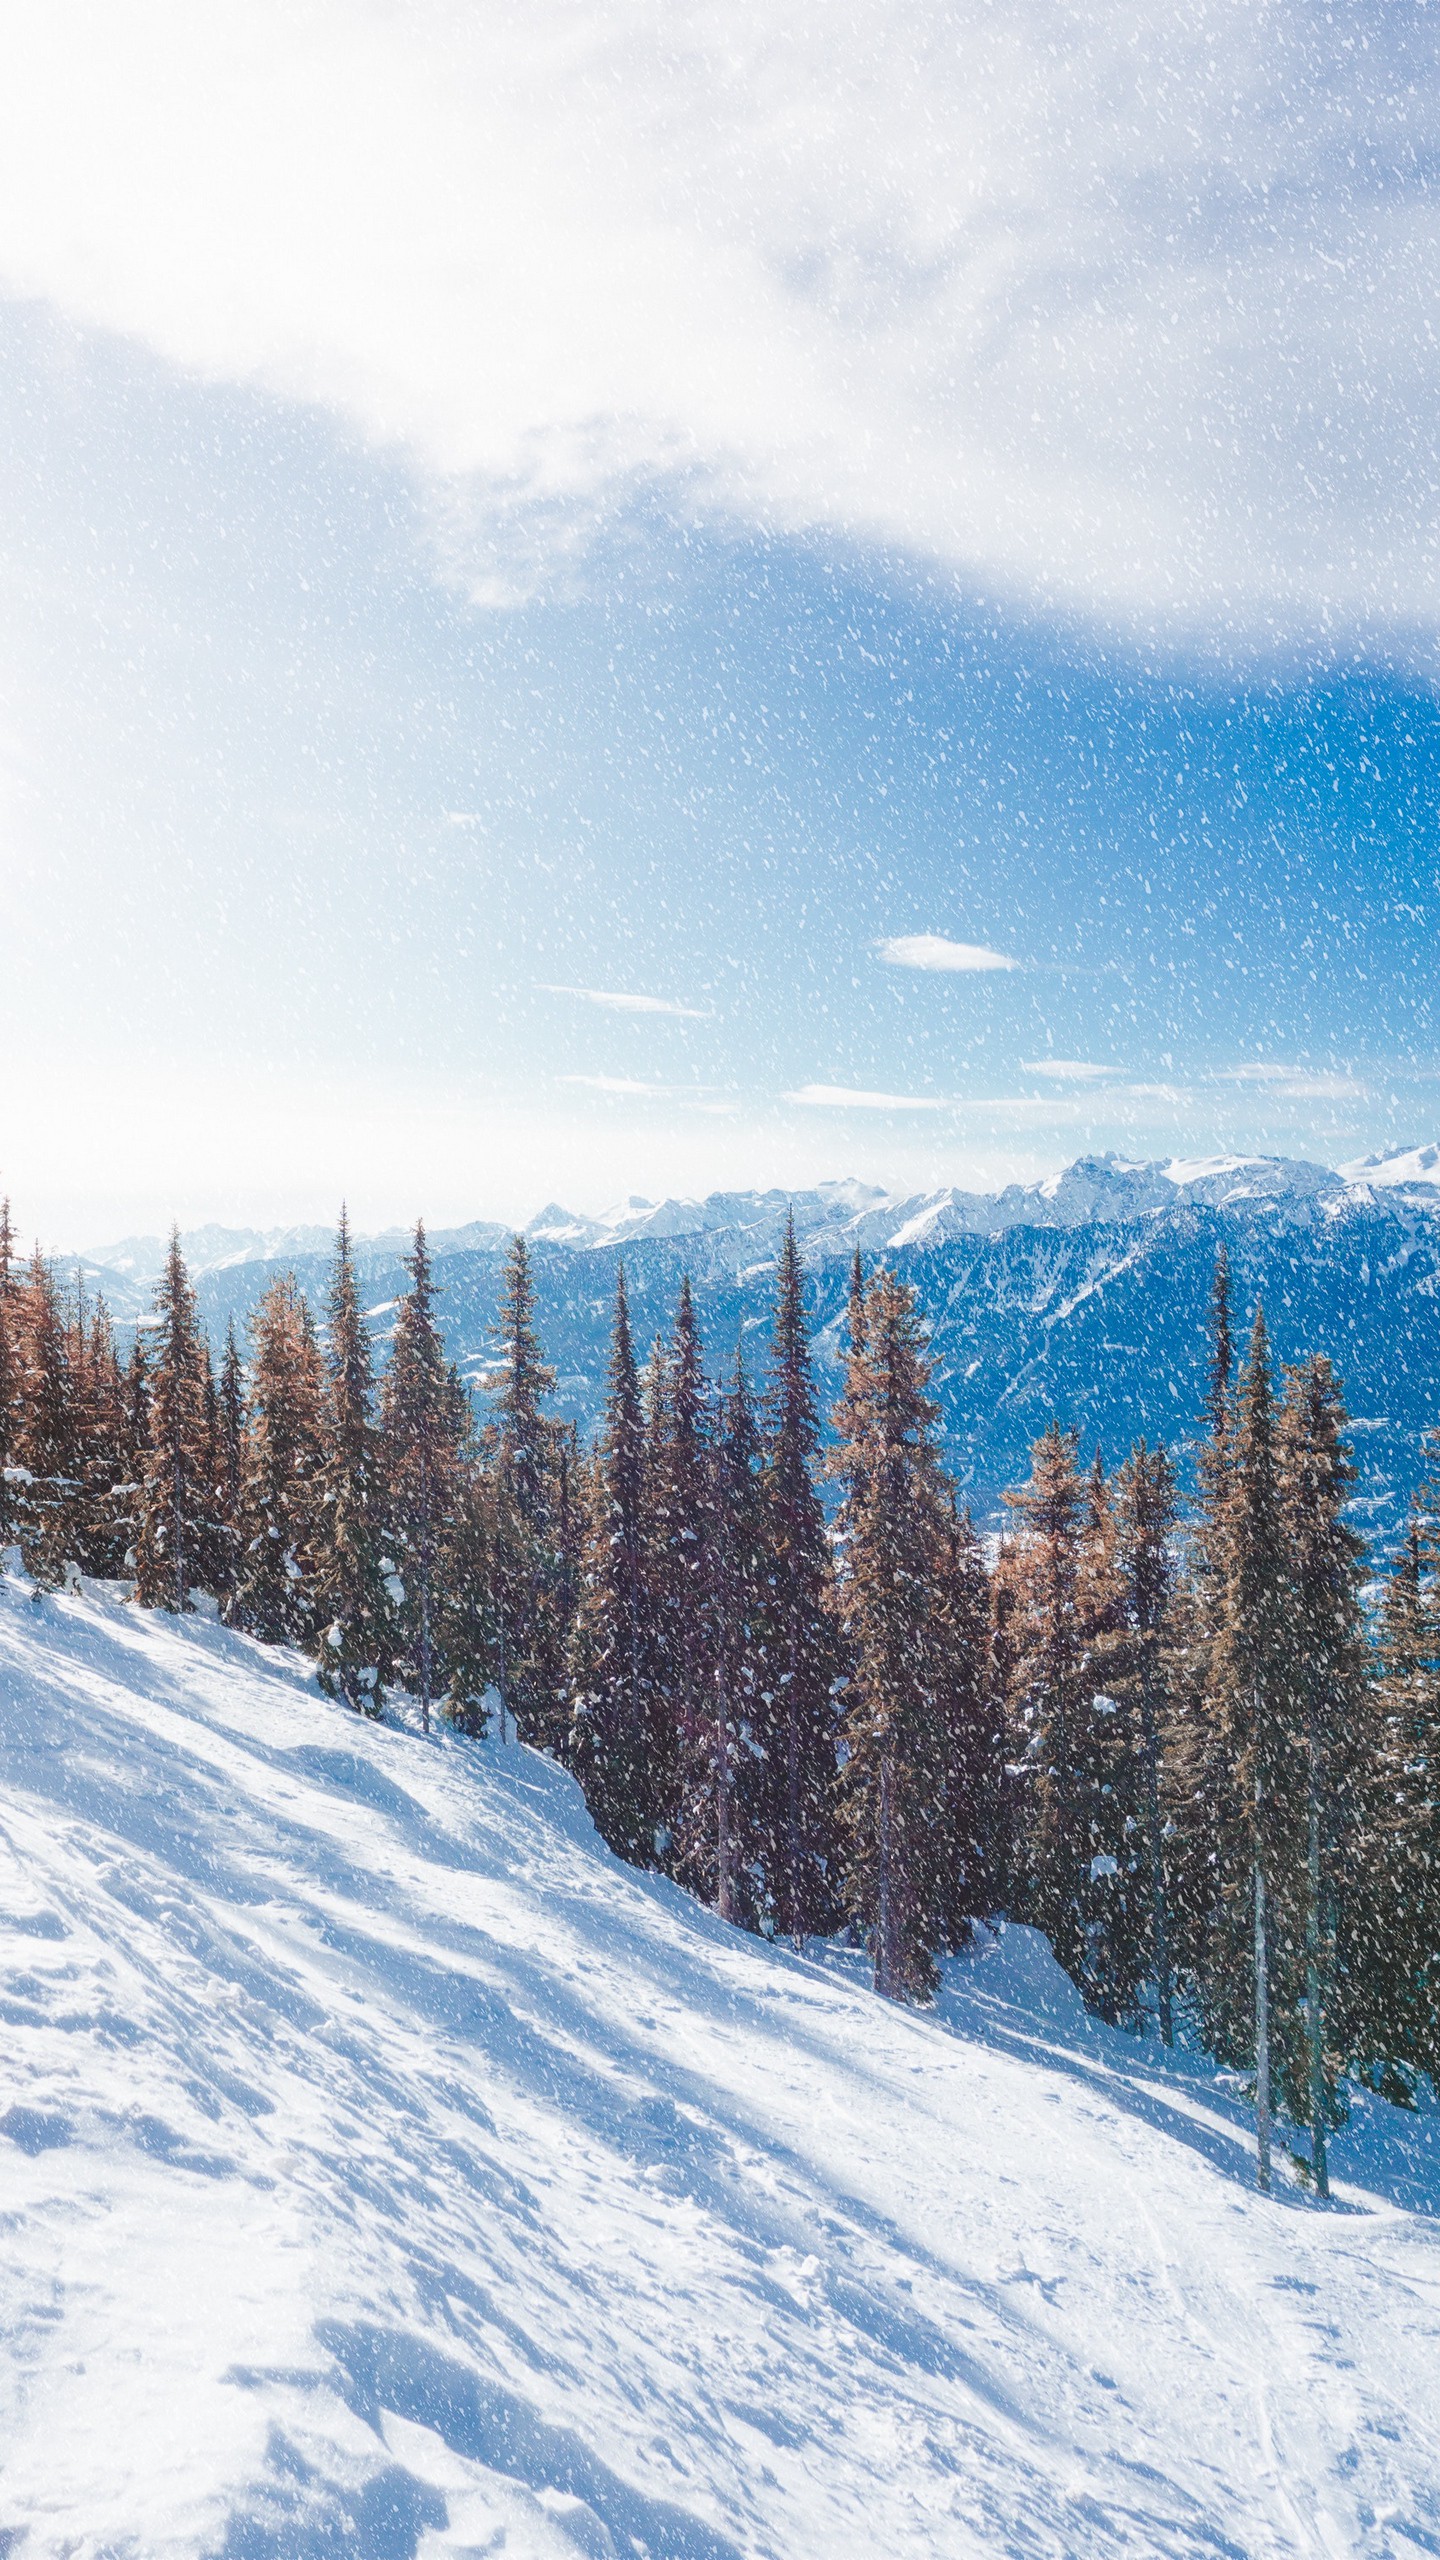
pixel 388 2171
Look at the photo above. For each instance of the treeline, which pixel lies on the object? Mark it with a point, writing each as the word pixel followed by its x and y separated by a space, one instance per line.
pixel 1182 1746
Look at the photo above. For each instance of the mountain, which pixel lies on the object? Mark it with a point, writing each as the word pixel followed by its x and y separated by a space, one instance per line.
pixel 388 2171
pixel 1082 1296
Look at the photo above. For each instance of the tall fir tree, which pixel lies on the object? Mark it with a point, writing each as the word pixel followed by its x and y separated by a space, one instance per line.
pixel 1044 1650
pixel 46 1486
pixel 351 1600
pixel 1333 1728
pixel 796 1770
pixel 683 1573
pixel 531 1573
pixel 891 1530
pixel 171 1519
pixel 1146 1511
pixel 1401 1847
pixel 1255 1699
pixel 280 1485
pixel 424 1422
pixel 974 1828
pixel 614 1650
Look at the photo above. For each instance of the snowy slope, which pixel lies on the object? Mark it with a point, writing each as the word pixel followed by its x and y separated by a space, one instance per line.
pixel 390 2172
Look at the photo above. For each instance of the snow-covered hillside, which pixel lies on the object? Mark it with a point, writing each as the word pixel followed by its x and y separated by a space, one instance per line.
pixel 388 2171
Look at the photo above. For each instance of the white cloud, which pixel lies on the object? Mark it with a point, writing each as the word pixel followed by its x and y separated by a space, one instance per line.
pixel 619 1002
pixel 1069 1070
pixel 934 951
pixel 844 1097
pixel 704 1096
pixel 618 1084
pixel 1114 310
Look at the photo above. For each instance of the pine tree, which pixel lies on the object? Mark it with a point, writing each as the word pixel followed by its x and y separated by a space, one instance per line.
pixel 172 1491
pixel 614 1630
pixel 683 1569
pixel 46 1483
pixel 280 1481
pixel 1332 1698
pixel 227 1469
pixel 531 1576
pixel 796 1768
pixel 9 1380
pixel 1256 1714
pixel 469 1638
pixel 424 1422
pixel 351 1602
pixel 891 1531
pixel 102 1457
pixel 1400 1850
pixel 1048 1699
pixel 741 1592
pixel 975 1808
pixel 1146 1509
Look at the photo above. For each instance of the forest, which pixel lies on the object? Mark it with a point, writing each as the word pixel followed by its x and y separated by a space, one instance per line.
pixel 1191 1740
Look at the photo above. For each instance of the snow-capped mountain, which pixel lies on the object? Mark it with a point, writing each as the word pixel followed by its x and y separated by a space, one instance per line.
pixel 1082 1296
pixel 387 2170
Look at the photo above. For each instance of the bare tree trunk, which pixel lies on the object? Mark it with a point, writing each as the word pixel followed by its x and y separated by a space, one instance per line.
pixel 1313 2005
pixel 1159 1915
pixel 1262 2018
pixel 724 1880
pixel 884 1953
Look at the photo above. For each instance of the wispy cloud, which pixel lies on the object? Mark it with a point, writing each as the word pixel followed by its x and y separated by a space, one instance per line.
pixel 935 951
pixel 845 1097
pixel 1069 1070
pixel 619 1001
pixel 705 1097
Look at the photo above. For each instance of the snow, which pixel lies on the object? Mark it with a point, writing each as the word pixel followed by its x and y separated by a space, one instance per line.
pixel 389 2171
pixel 1391 1170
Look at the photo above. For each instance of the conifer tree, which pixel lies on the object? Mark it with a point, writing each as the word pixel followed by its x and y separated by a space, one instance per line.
pixel 424 1422
pixel 741 1592
pixel 1044 1643
pixel 102 1458
pixel 9 1378
pixel 351 1601
pixel 1401 1847
pixel 227 1468
pixel 469 1642
pixel 683 1566
pixel 281 1464
pixel 171 1514
pixel 1327 1675
pixel 1256 1702
pixel 1146 1513
pixel 531 1576
pixel 47 1480
pixel 796 1769
pixel 974 1817
pixel 614 1633
pixel 891 1520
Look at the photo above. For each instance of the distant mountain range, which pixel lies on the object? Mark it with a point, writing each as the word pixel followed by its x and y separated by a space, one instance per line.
pixel 1082 1296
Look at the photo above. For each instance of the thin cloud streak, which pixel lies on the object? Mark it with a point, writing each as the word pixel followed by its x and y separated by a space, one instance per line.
pixel 619 1001
pixel 934 951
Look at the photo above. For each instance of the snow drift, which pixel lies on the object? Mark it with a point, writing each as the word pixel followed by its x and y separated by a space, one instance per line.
pixel 388 2171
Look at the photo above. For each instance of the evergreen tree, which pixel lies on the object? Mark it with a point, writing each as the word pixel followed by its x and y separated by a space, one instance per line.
pixel 9 1378
pixel 891 1525
pixel 741 1593
pixel 171 1509
pixel 424 1422
pixel 683 1570
pixel 974 1817
pixel 1401 1846
pixel 101 1437
pixel 1256 1704
pixel 351 1600
pixel 613 1746
pixel 531 1574
pixel 281 1472
pixel 1047 1693
pixel 1146 1513
pixel 227 1470
pixel 1331 1694
pixel 46 1483
pixel 469 1637
pixel 795 1772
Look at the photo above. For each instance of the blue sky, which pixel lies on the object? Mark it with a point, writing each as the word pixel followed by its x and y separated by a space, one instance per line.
pixel 603 601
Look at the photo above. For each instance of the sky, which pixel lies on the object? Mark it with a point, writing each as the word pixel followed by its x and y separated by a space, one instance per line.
pixel 604 600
